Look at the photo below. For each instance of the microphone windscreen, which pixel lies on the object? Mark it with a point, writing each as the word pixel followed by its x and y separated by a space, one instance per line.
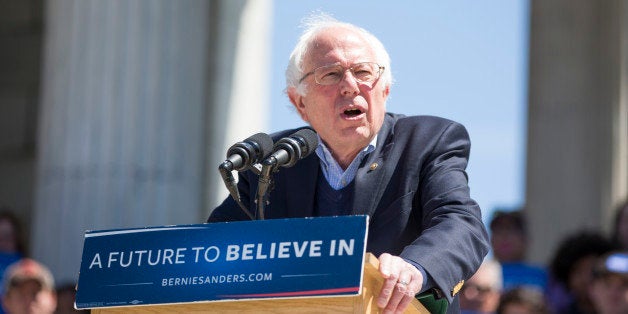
pixel 264 143
pixel 310 139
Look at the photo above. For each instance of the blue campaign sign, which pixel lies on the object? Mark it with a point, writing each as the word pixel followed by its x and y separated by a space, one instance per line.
pixel 276 258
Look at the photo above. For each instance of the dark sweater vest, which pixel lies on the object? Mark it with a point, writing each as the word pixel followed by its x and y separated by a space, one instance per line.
pixel 330 202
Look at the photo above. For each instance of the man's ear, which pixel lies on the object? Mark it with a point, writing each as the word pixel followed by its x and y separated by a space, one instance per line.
pixel 297 101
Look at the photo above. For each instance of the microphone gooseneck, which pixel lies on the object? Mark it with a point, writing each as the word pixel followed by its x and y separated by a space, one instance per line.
pixel 287 151
pixel 241 157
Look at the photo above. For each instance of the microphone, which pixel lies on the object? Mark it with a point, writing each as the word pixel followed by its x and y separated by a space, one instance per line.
pixel 288 150
pixel 242 156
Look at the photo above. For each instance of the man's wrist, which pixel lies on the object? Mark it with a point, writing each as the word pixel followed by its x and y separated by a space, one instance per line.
pixel 428 282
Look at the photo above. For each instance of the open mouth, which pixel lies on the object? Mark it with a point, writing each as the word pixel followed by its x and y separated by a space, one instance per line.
pixel 353 112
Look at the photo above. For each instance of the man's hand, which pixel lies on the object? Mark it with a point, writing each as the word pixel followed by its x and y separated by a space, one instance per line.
pixel 402 282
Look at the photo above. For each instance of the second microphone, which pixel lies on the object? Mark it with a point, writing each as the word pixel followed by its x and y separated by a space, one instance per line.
pixel 288 150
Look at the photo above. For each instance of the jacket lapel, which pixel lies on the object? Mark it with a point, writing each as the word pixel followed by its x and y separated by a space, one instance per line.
pixel 373 175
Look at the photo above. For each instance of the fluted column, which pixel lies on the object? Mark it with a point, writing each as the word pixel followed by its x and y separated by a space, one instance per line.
pixel 128 103
pixel 240 70
pixel 577 165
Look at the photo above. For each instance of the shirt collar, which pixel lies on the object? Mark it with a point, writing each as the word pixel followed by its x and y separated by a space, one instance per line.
pixel 335 175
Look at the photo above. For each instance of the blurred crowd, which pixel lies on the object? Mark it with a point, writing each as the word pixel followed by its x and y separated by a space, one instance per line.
pixel 587 274
pixel 27 285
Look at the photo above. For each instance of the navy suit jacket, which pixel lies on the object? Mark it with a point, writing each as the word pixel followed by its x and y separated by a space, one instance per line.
pixel 414 188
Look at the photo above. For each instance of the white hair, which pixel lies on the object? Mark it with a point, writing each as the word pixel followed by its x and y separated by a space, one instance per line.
pixel 490 271
pixel 313 25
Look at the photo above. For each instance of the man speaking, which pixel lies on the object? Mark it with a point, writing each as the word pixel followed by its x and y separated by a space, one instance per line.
pixel 406 172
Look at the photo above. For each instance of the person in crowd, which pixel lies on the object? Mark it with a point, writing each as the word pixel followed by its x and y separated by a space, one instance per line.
pixel 609 288
pixel 620 227
pixel 480 294
pixel 29 288
pixel 509 241
pixel 523 300
pixel 11 241
pixel 572 271
pixel 66 296
pixel 406 172
pixel 12 246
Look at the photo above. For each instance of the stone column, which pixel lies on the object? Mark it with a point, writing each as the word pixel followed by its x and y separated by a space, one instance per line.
pixel 239 65
pixel 127 112
pixel 577 138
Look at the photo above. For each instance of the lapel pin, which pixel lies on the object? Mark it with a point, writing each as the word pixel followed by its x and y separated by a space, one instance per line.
pixel 457 288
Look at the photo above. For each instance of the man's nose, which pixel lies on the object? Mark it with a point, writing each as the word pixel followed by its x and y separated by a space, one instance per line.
pixel 349 84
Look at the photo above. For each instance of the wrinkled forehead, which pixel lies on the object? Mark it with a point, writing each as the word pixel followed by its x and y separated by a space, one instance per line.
pixel 338 45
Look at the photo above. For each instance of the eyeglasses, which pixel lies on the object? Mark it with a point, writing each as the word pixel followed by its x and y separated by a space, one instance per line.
pixel 364 72
pixel 472 289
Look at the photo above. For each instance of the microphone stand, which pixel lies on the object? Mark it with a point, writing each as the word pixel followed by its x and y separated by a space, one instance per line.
pixel 265 185
pixel 288 151
pixel 230 183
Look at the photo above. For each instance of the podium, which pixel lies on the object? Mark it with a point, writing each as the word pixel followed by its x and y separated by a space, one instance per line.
pixel 362 303
pixel 304 265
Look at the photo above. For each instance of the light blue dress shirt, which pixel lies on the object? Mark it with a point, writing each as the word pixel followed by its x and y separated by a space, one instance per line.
pixel 336 177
